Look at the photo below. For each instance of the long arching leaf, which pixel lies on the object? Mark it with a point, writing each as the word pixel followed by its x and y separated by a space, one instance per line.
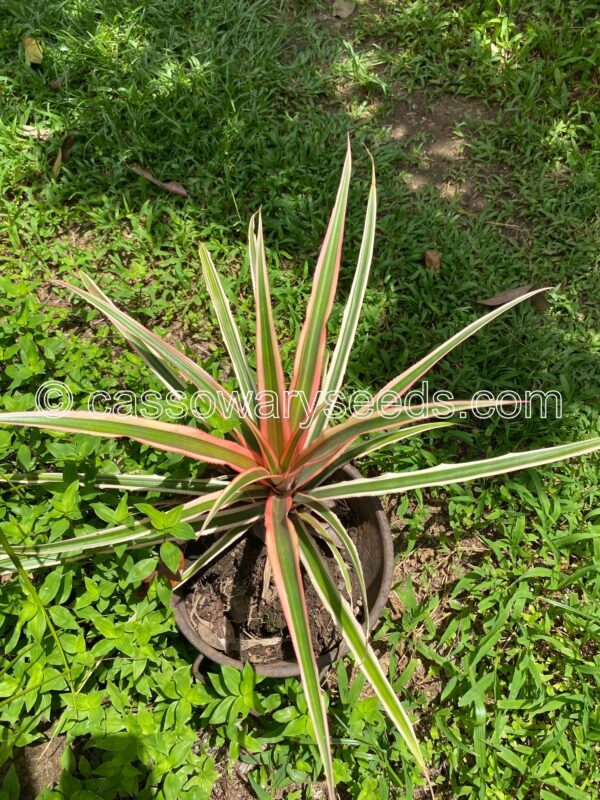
pixel 379 441
pixel 167 436
pixel 282 549
pixel 188 369
pixel 336 441
pixel 137 533
pixel 213 552
pixel 229 329
pixel 234 490
pixel 328 516
pixel 148 356
pixel 271 387
pixel 402 383
pixel 321 531
pixel 308 364
pixel 334 375
pixel 132 482
pixel 453 473
pixel 354 637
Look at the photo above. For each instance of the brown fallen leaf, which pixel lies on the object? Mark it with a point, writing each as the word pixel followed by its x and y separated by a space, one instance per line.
pixel 540 302
pixel 56 83
pixel 169 186
pixel 33 52
pixel 506 296
pixel 432 260
pixel 63 155
pixel 342 9
pixel 31 132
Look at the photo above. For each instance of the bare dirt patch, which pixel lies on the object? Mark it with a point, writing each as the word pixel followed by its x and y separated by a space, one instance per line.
pixel 48 294
pixel 436 132
pixel 232 786
pixel 38 767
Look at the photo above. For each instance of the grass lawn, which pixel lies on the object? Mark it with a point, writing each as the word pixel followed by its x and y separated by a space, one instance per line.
pixel 482 118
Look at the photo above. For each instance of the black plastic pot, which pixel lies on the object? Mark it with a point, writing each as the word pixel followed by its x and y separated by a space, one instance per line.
pixel 376 552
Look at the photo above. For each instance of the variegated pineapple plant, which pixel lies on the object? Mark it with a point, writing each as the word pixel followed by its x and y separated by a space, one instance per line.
pixel 281 464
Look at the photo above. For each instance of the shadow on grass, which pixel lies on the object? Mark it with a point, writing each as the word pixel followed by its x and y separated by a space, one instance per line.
pixel 104 767
pixel 250 103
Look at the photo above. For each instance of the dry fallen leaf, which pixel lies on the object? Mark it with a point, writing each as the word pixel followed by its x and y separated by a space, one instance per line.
pixel 433 260
pixel 33 52
pixel 63 154
pixel 57 82
pixel 342 9
pixel 540 302
pixel 168 186
pixel 507 296
pixel 31 132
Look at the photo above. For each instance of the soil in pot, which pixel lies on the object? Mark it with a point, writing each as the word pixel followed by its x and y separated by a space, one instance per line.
pixel 234 605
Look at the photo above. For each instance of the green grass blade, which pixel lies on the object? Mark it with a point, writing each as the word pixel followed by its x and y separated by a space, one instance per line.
pixel 334 376
pixel 282 549
pixel 308 364
pixel 229 329
pixel 355 639
pixel 454 473
pixel 171 437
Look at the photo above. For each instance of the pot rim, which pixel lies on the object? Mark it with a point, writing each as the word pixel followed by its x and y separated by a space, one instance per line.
pixel 289 669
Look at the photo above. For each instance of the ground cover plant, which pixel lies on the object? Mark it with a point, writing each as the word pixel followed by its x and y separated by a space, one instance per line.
pixel 281 453
pixel 493 622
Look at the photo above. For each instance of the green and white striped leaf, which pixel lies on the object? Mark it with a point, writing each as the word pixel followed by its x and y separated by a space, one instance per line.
pixel 282 549
pixel 148 356
pixel 234 490
pixel 336 441
pixel 334 375
pixel 214 551
pixel 138 533
pixel 402 383
pixel 377 442
pixel 188 369
pixel 308 364
pixel 356 641
pixel 275 428
pixel 444 474
pixel 161 356
pixel 168 436
pixel 132 482
pixel 321 531
pixel 329 517
pixel 229 329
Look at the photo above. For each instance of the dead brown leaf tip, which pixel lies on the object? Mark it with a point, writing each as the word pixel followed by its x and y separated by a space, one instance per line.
pixel 539 301
pixel 432 260
pixel 169 186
